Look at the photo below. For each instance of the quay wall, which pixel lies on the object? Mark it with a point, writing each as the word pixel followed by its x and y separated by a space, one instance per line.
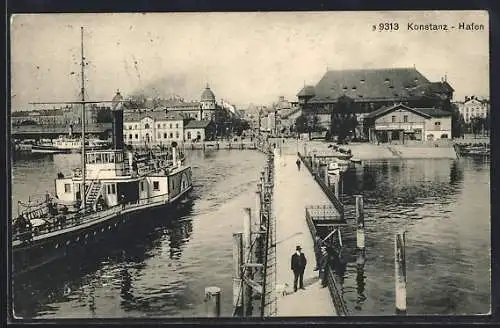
pixel 369 151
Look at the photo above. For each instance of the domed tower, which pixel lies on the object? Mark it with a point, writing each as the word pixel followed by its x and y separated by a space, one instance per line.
pixel 207 99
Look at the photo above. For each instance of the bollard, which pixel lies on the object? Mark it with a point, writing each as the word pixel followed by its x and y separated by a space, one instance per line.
pixel 237 271
pixel 400 272
pixel 212 301
pixel 360 218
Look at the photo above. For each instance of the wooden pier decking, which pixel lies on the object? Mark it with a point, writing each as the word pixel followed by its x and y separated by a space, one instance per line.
pixel 294 190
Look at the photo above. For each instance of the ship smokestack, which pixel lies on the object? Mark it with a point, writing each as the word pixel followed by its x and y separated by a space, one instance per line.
pixel 117 114
pixel 174 153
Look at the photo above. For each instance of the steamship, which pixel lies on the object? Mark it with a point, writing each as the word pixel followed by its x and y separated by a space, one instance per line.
pixel 112 191
pixel 66 144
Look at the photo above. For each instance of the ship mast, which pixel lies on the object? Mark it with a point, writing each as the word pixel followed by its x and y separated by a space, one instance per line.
pixel 82 191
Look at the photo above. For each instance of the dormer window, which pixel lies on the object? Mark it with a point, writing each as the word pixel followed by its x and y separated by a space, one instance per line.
pixel 354 88
pixel 344 88
pixel 391 87
pixel 387 81
pixel 362 81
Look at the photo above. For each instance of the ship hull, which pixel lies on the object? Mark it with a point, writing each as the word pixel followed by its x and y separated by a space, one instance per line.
pixel 49 150
pixel 40 253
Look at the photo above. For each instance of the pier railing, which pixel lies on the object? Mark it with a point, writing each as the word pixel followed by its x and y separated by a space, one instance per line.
pixel 317 214
pixel 328 192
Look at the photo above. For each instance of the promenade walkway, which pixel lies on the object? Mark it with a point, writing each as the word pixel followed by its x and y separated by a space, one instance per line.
pixel 294 190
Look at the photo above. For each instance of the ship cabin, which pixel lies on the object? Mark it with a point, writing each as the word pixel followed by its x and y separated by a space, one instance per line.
pixel 115 177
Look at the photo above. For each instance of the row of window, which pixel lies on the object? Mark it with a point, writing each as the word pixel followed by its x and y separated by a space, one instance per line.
pixel 405 120
pixel 475 108
pixel 147 126
pixel 165 136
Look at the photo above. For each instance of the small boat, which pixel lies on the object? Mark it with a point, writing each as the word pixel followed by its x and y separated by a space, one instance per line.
pixel 355 160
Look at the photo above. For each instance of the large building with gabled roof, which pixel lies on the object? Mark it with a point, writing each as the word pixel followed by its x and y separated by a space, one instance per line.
pixel 371 89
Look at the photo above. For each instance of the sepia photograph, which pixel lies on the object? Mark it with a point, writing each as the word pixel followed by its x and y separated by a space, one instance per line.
pixel 249 165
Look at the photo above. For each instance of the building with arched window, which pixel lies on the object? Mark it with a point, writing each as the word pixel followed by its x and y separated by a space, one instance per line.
pixel 152 128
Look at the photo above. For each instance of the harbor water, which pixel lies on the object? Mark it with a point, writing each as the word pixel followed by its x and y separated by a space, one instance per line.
pixel 161 271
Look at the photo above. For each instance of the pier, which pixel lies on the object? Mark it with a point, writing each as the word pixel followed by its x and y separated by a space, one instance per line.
pixel 294 191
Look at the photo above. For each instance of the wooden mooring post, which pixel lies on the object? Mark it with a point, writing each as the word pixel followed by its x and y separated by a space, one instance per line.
pixel 237 273
pixel 248 258
pixel 360 218
pixel 212 301
pixel 400 272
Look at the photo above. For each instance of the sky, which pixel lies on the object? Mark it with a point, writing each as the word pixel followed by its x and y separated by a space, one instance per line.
pixel 245 57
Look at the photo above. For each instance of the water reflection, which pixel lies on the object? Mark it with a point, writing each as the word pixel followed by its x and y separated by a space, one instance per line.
pixel 112 263
pixel 419 196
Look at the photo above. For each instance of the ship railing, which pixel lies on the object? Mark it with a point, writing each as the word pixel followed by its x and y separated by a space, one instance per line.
pixel 61 222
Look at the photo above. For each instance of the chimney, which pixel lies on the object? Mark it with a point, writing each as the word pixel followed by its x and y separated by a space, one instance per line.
pixel 117 114
pixel 174 153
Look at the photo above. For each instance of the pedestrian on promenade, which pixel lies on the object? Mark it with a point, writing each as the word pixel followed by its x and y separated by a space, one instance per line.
pixel 323 266
pixel 318 243
pixel 298 163
pixel 298 266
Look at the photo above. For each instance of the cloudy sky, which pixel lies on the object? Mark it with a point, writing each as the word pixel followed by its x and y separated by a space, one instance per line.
pixel 245 57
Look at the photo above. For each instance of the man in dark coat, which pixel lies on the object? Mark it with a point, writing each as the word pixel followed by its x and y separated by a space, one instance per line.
pixel 323 266
pixel 318 243
pixel 298 266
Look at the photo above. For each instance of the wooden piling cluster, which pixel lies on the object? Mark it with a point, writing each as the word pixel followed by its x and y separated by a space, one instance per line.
pixel 252 249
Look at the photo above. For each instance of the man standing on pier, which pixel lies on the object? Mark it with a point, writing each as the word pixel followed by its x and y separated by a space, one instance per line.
pixel 298 267
pixel 298 163
pixel 318 244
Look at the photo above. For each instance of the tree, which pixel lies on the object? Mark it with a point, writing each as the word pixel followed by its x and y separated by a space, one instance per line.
pixel 343 118
pixel 104 115
pixel 476 124
pixel 457 121
pixel 301 125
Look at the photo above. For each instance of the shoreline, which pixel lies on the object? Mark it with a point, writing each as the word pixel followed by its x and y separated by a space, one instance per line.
pixel 369 151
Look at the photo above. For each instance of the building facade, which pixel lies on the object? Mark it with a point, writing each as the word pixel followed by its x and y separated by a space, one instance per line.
pixel 371 89
pixel 199 131
pixel 152 128
pixel 401 123
pixel 57 116
pixel 473 107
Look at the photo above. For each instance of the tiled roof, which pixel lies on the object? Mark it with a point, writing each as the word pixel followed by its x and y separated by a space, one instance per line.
pixel 368 84
pixel 178 104
pixel 307 90
pixel 427 112
pixel 434 112
pixel 136 116
pixel 194 124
